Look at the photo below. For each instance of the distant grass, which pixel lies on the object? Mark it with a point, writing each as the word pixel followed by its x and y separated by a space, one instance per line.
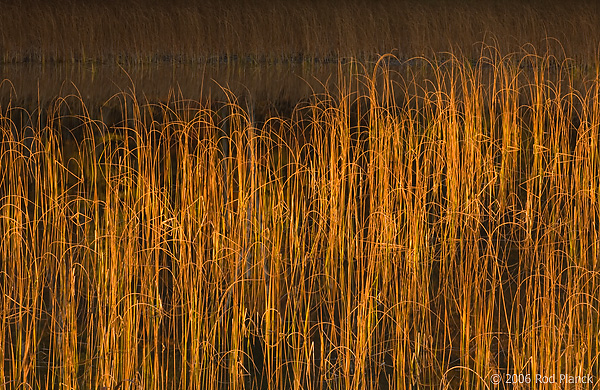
pixel 273 31
pixel 391 234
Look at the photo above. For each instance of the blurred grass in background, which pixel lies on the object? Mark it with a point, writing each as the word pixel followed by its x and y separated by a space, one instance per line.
pixel 270 31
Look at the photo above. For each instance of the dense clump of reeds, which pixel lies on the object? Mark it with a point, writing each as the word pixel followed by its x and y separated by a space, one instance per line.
pixel 145 31
pixel 402 231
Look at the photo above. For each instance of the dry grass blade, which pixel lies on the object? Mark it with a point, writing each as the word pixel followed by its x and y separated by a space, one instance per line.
pixel 431 225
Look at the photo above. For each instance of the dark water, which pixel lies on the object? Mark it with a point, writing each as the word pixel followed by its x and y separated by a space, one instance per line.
pixel 30 86
pixel 29 92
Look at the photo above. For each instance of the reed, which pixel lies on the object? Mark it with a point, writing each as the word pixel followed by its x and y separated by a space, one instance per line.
pixel 148 31
pixel 401 231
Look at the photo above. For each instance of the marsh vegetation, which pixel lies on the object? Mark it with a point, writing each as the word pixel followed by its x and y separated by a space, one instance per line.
pixel 405 224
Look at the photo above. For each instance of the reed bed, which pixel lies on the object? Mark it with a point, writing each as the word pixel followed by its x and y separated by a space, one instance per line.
pixel 150 31
pixel 398 232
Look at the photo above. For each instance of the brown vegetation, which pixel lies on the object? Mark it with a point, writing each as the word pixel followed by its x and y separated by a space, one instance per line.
pixel 196 31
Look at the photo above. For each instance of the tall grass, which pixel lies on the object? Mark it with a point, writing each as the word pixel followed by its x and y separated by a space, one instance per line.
pixel 146 31
pixel 399 232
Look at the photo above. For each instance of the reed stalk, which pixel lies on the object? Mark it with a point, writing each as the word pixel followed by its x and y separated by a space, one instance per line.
pixel 427 228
